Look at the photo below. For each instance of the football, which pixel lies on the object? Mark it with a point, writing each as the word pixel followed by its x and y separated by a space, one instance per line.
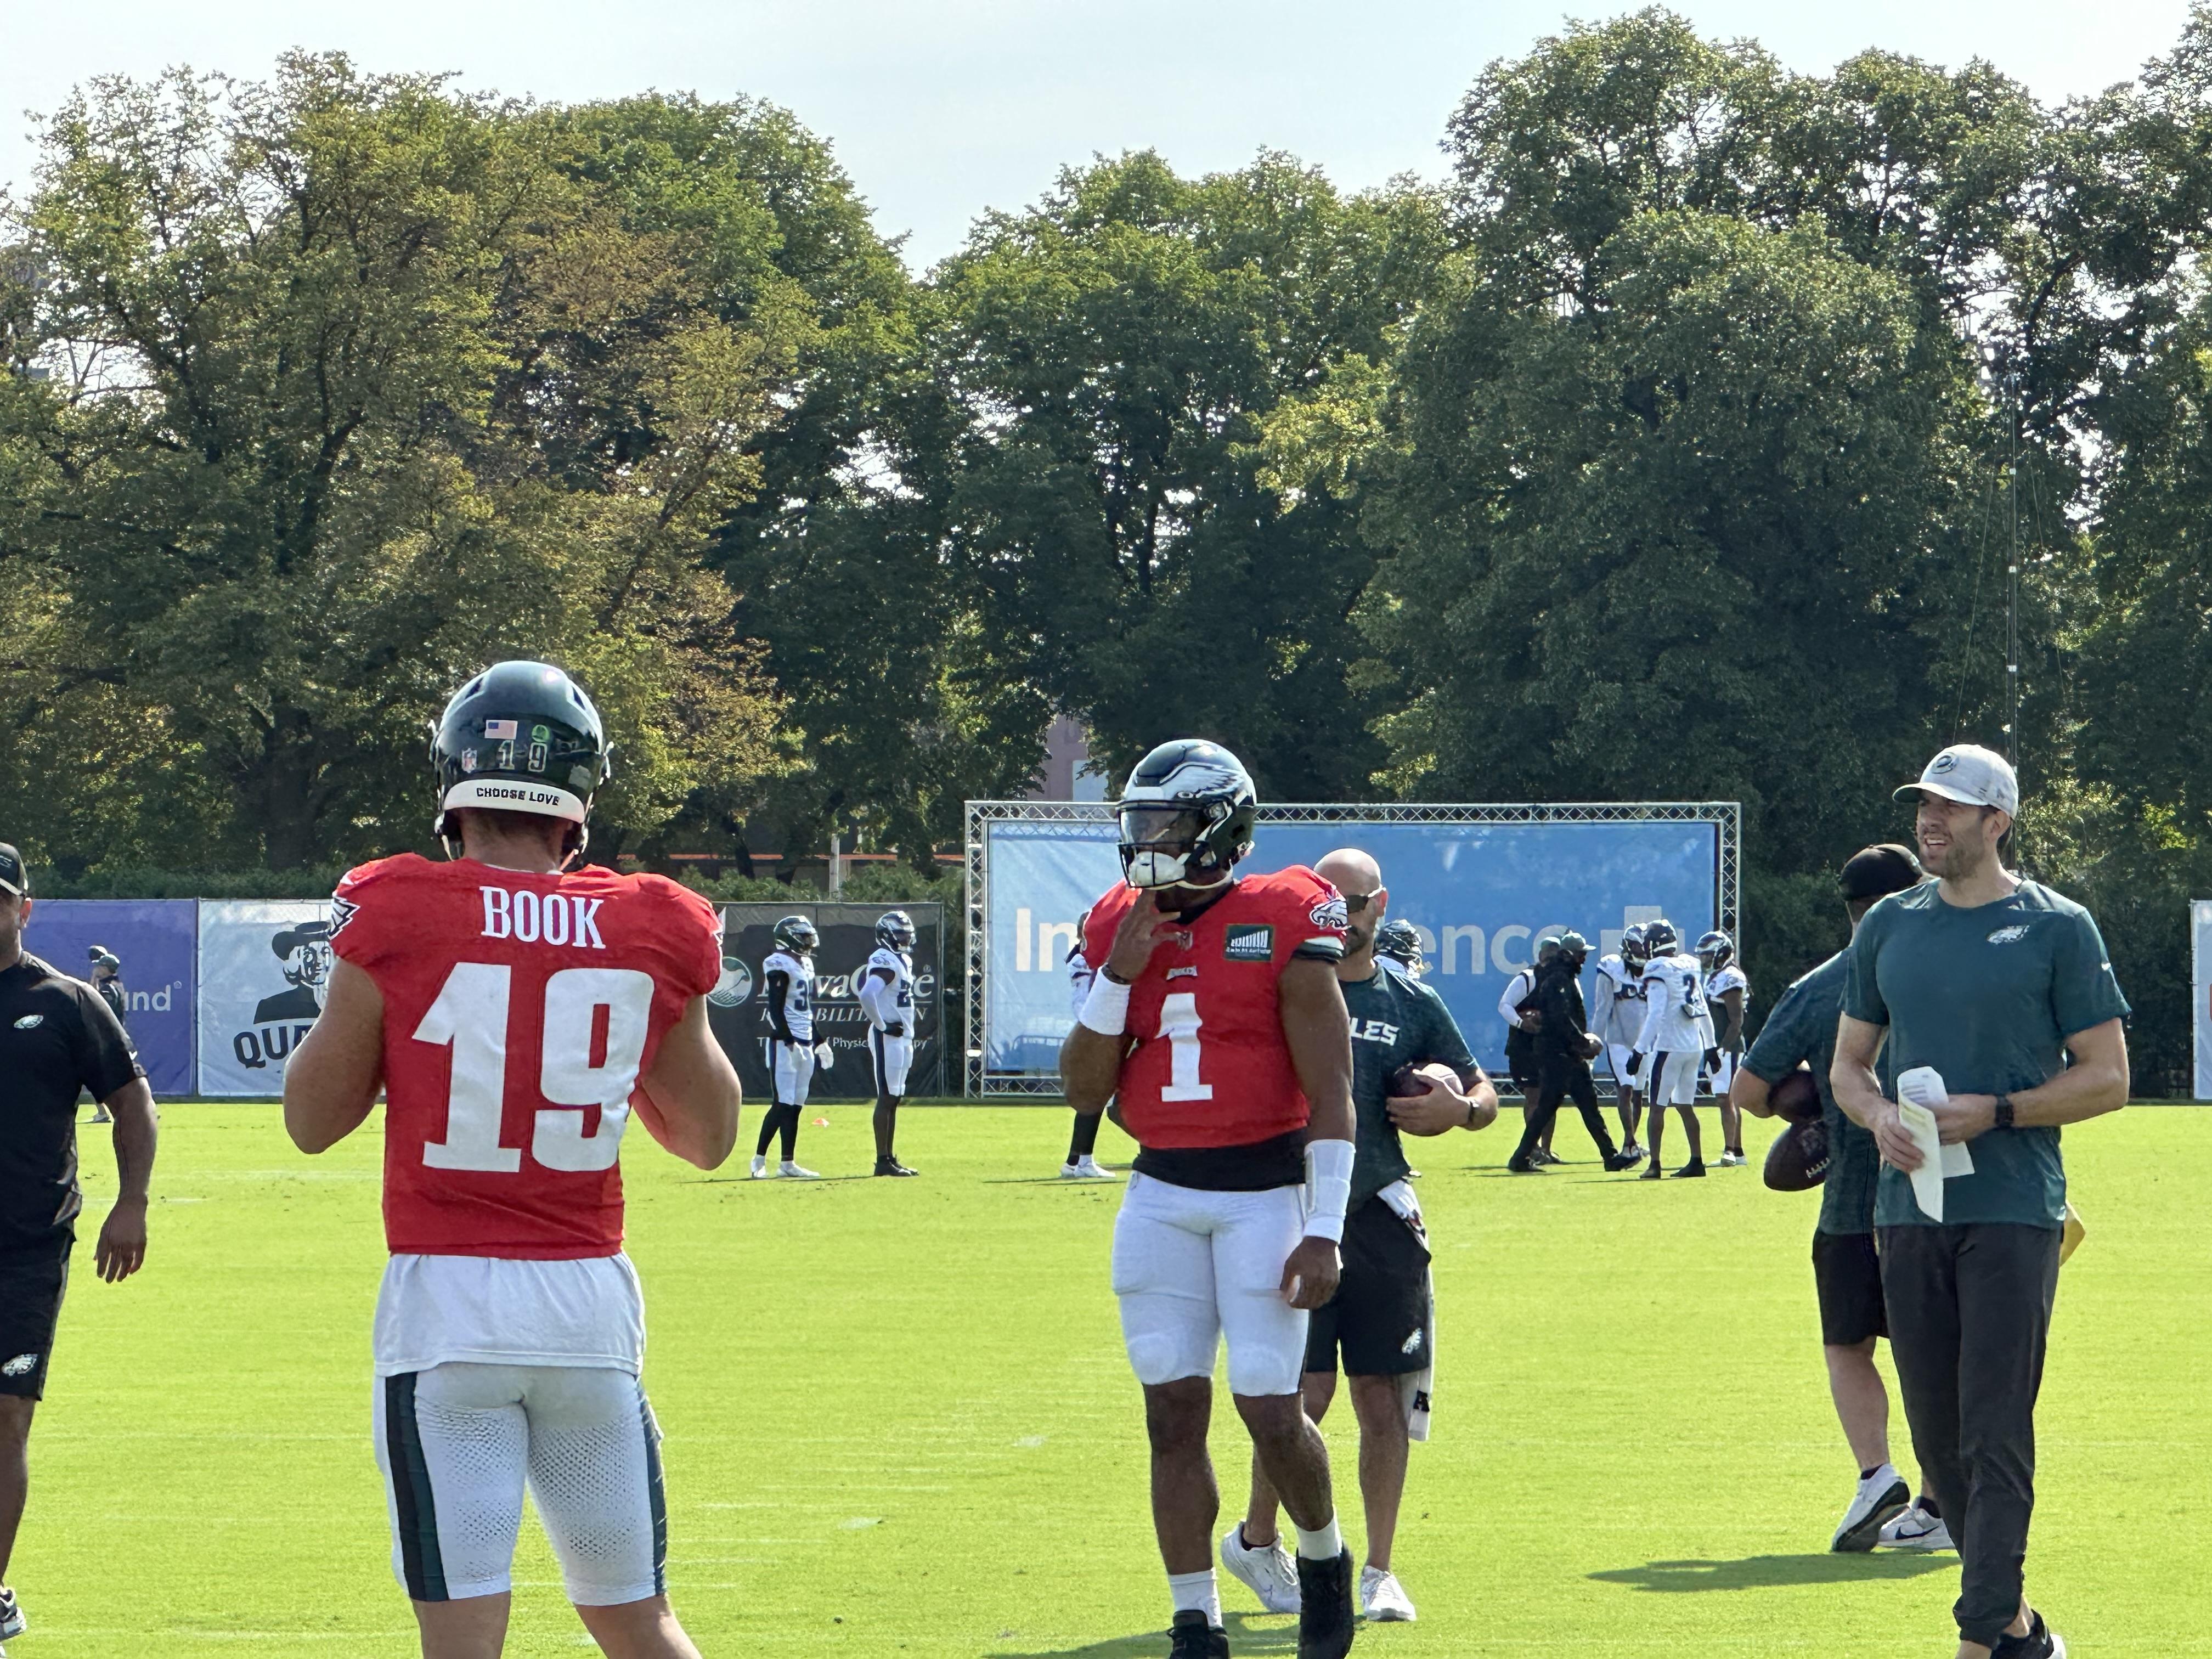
pixel 1797 1162
pixel 1410 1080
pixel 1796 1098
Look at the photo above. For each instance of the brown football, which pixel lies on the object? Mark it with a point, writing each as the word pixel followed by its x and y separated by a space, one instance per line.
pixel 1796 1098
pixel 1410 1080
pixel 1797 1162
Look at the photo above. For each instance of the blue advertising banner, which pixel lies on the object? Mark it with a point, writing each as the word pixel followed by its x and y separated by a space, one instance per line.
pixel 154 940
pixel 1480 894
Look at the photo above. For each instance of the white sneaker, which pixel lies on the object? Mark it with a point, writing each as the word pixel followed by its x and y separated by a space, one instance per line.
pixel 1267 1571
pixel 1881 1496
pixel 1916 1529
pixel 1086 1169
pixel 1733 1160
pixel 791 1171
pixel 760 1169
pixel 1383 1599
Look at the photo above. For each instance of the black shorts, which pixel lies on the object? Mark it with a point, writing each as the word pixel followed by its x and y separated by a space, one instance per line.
pixel 1380 1313
pixel 30 1284
pixel 1847 1273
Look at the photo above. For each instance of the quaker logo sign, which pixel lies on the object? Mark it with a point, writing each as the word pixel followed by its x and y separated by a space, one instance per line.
pixel 737 1008
pixel 152 942
pixel 263 967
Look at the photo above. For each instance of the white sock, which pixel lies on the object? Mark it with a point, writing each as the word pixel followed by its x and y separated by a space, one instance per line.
pixel 1195 1592
pixel 1324 1545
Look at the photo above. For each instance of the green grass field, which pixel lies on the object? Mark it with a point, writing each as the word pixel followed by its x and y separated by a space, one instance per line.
pixel 899 1420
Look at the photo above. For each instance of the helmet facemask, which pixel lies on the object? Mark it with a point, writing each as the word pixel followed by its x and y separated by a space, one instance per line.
pixel 1167 845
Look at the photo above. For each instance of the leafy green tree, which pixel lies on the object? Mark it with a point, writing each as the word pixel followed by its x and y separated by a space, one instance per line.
pixel 1113 353
pixel 356 389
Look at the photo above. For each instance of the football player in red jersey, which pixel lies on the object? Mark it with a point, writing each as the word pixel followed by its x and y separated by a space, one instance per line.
pixel 515 1014
pixel 1216 1020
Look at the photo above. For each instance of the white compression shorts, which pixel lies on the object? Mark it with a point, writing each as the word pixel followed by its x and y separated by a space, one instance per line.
pixel 791 1068
pixel 457 1442
pixel 1619 1052
pixel 1671 1080
pixel 892 1056
pixel 1191 1267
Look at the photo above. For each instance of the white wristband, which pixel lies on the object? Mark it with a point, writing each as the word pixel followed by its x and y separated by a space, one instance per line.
pixel 1106 1009
pixel 1329 1188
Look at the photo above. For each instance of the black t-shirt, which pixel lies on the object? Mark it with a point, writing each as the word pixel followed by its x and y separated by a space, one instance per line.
pixel 56 1036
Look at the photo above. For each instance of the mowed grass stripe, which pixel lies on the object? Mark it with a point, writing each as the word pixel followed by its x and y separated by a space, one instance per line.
pixel 899 1421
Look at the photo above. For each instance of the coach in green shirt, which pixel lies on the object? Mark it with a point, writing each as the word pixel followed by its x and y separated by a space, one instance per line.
pixel 1994 981
pixel 1380 1319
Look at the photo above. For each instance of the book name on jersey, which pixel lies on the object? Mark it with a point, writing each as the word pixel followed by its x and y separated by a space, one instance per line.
pixel 541 919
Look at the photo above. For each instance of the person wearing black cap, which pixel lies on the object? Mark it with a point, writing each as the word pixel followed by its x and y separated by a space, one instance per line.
pixel 2002 1020
pixel 1563 1050
pixel 1846 1273
pixel 56 1036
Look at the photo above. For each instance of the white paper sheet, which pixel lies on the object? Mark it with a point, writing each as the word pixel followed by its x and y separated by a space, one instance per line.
pixel 1916 1091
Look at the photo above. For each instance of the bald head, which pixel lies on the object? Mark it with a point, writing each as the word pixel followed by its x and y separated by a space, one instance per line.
pixel 1355 875
pixel 1349 871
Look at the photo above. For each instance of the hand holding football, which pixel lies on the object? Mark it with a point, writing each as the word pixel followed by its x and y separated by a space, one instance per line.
pixel 1796 1098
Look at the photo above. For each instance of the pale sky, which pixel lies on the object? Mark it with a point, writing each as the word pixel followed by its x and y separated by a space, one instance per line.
pixel 940 109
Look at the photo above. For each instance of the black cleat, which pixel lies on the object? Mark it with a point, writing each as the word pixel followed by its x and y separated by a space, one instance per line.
pixel 891 1166
pixel 1616 1161
pixel 1517 1166
pixel 1690 1170
pixel 1325 1607
pixel 1191 1637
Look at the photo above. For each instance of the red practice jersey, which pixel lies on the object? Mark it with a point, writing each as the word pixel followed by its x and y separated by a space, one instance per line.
pixel 1210 1066
pixel 519 1013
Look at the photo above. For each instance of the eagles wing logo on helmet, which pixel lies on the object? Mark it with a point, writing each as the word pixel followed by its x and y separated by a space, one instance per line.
pixel 1715 950
pixel 1187 816
pixel 895 931
pixel 797 935
pixel 1401 943
pixel 1660 937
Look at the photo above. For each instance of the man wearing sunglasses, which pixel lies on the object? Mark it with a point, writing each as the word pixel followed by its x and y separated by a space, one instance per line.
pixel 1381 1314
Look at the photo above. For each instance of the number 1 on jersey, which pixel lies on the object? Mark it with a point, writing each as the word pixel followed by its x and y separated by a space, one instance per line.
pixel 1179 1023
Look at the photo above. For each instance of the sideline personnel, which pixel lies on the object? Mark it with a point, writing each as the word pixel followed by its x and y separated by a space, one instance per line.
pixel 1382 1315
pixel 1846 1272
pixel 56 1036
pixel 1993 982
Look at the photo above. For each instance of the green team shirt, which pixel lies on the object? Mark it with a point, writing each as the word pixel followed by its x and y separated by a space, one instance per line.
pixel 1395 1021
pixel 1802 1027
pixel 1988 996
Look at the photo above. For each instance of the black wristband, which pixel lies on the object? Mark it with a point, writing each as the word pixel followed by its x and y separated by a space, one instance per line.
pixel 1108 971
pixel 2002 1116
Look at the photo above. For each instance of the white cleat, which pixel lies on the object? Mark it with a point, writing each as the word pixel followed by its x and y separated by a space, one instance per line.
pixel 791 1171
pixel 1733 1160
pixel 1265 1569
pixel 1383 1599
pixel 760 1169
pixel 1086 1169
pixel 1916 1529
pixel 1881 1496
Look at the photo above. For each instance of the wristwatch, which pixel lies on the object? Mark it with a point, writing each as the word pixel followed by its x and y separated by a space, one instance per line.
pixel 2003 1114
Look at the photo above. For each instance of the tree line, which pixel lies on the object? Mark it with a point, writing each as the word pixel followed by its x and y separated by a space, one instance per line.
pixel 1677 446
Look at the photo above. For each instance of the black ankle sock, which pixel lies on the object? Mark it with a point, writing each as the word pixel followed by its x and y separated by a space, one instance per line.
pixel 1931 1508
pixel 1868 1474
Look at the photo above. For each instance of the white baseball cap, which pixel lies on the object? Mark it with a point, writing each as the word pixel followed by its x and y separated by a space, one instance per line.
pixel 1967 772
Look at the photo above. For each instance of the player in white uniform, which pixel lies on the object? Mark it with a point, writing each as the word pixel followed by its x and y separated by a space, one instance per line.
pixel 1617 1019
pixel 1082 1163
pixel 787 993
pixel 1677 1034
pixel 887 995
pixel 1728 999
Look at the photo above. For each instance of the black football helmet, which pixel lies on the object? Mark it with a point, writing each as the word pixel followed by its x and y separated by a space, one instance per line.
pixel 521 736
pixel 1635 950
pixel 1187 816
pixel 895 931
pixel 1715 951
pixel 1401 943
pixel 1660 939
pixel 796 935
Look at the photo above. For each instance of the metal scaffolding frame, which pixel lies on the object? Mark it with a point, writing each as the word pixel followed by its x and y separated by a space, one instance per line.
pixel 1726 815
